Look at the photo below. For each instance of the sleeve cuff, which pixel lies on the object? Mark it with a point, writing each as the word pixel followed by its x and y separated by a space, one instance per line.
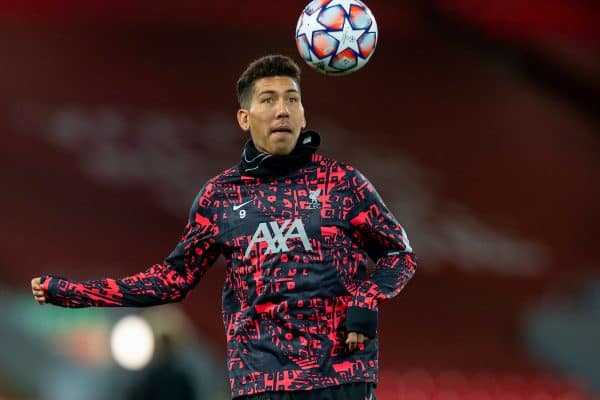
pixel 45 281
pixel 362 320
pixel 49 283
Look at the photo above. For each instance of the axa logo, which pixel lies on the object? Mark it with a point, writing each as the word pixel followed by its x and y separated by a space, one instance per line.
pixel 276 236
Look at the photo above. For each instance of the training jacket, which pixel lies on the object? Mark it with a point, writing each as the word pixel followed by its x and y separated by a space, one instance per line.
pixel 296 232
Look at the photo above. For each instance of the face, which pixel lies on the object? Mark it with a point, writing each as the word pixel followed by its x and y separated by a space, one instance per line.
pixel 274 116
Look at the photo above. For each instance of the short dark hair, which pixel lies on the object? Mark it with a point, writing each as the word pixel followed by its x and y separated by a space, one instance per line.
pixel 271 65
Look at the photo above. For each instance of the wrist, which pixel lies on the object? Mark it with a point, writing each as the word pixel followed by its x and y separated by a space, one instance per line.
pixel 362 320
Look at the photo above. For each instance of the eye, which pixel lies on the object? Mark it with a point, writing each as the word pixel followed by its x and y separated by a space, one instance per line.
pixel 267 100
pixel 293 100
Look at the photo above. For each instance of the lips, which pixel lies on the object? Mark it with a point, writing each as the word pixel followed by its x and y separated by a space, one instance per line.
pixel 281 129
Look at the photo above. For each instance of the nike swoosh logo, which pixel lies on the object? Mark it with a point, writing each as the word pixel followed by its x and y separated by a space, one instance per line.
pixel 238 206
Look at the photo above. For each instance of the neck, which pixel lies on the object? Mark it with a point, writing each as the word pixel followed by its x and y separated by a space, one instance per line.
pixel 258 162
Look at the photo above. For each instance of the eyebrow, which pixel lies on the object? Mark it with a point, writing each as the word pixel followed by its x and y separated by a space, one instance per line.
pixel 274 92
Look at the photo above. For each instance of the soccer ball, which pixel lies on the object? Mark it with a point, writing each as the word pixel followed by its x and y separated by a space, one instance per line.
pixel 336 37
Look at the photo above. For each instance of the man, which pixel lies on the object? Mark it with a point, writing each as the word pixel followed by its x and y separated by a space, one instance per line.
pixel 296 229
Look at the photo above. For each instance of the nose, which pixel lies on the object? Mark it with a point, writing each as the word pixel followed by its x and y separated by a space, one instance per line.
pixel 282 109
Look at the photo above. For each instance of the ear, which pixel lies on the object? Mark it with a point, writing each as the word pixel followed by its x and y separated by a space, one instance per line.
pixel 303 119
pixel 243 120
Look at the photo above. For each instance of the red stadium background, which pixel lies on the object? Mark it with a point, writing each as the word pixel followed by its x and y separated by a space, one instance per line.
pixel 477 121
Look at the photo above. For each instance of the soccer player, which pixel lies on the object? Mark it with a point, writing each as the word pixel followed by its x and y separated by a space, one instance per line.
pixel 296 229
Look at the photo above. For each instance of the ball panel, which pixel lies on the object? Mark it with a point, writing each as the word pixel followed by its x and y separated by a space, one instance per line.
pixel 332 17
pixel 303 48
pixel 299 24
pixel 323 44
pixel 315 5
pixel 344 60
pixel 321 65
pixel 366 44
pixel 359 18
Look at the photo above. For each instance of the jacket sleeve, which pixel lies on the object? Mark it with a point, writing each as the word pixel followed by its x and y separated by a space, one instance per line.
pixel 386 242
pixel 161 283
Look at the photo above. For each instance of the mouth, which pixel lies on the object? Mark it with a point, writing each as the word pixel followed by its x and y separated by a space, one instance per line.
pixel 281 129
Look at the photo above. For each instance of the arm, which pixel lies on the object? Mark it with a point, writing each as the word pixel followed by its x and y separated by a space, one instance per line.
pixel 161 283
pixel 386 242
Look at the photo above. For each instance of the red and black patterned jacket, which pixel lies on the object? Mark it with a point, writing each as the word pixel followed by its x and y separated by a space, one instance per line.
pixel 296 232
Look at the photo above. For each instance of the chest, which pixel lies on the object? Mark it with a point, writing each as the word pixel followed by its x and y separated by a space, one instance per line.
pixel 277 213
pixel 273 212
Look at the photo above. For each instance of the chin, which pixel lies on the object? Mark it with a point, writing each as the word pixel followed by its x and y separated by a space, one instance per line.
pixel 281 148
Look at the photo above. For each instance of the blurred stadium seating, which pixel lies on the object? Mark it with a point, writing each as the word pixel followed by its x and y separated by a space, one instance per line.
pixel 420 384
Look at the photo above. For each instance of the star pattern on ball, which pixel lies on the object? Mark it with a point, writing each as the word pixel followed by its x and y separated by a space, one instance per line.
pixel 345 4
pixel 309 25
pixel 348 37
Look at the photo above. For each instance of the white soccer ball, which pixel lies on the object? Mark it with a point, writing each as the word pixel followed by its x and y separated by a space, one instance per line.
pixel 336 37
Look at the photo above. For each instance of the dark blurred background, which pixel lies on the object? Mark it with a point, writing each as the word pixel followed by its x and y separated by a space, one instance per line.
pixel 478 122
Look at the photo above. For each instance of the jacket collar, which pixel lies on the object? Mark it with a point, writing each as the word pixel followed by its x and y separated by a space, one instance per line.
pixel 259 164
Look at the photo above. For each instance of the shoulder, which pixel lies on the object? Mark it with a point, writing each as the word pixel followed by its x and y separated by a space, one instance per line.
pixel 330 163
pixel 346 171
pixel 225 178
pixel 214 187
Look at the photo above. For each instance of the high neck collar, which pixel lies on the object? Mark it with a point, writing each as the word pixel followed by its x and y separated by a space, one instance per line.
pixel 259 164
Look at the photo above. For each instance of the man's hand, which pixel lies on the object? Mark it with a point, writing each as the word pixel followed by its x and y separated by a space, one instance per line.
pixel 354 339
pixel 38 292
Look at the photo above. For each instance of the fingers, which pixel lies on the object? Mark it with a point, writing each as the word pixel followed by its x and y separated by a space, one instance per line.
pixel 36 283
pixel 361 338
pixel 351 340
pixel 39 294
pixel 40 299
pixel 355 340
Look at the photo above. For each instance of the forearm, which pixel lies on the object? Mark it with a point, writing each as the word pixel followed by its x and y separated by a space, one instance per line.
pixel 390 276
pixel 158 285
pixel 163 283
